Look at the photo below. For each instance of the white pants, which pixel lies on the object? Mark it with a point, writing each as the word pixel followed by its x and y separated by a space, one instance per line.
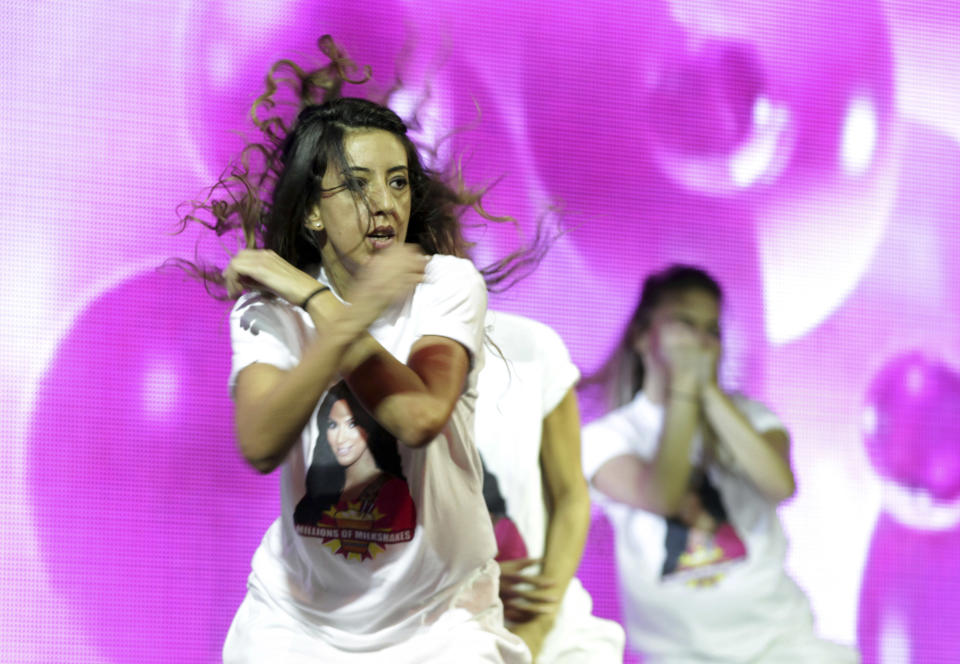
pixel 799 649
pixel 264 633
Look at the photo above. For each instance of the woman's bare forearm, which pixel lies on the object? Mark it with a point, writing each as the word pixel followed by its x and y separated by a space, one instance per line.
pixel 763 459
pixel 412 401
pixel 568 500
pixel 274 405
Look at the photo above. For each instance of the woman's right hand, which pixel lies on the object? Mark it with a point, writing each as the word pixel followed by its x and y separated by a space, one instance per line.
pixel 265 269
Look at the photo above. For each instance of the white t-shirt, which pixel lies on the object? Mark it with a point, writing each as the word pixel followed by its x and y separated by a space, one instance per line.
pixel 364 590
pixel 724 597
pixel 518 388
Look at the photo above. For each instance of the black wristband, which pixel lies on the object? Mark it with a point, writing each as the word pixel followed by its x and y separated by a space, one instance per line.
pixel 311 296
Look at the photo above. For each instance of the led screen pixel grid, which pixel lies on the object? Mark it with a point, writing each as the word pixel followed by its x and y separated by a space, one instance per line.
pixel 806 152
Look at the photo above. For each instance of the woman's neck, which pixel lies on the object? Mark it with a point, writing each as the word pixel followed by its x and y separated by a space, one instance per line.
pixel 340 279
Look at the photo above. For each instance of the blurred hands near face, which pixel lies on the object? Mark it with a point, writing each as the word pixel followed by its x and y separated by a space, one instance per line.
pixel 689 356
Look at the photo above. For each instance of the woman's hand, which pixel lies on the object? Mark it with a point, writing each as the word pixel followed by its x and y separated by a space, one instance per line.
pixel 264 269
pixel 709 360
pixel 529 602
pixel 690 356
pixel 525 596
pixel 389 276
pixel 680 348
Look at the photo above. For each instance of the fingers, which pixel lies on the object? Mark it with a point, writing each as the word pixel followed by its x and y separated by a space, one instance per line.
pixel 524 605
pixel 265 270
pixel 392 274
pixel 233 281
pixel 522 615
pixel 526 596
pixel 518 564
pixel 512 574
pixel 407 262
pixel 534 580
pixel 529 590
pixel 236 276
pixel 690 355
pixel 541 593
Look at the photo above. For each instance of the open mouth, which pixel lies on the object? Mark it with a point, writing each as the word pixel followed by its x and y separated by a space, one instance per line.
pixel 382 237
pixel 382 233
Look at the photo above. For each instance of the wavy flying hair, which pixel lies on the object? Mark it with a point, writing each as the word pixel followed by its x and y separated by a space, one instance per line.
pixel 266 194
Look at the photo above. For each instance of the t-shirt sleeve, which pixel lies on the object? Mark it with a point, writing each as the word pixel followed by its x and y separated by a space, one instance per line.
pixel 258 334
pixel 455 301
pixel 762 418
pixel 600 443
pixel 558 370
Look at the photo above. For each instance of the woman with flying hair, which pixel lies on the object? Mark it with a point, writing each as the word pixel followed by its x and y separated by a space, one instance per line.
pixel 354 271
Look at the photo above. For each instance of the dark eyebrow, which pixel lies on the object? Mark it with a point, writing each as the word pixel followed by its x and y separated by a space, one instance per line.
pixel 367 170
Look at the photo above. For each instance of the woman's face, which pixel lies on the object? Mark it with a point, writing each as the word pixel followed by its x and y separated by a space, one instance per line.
pixel 347 439
pixel 367 208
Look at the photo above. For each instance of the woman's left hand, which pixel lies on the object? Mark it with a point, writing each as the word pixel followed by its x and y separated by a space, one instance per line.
pixel 709 360
pixel 264 269
pixel 525 596
pixel 528 602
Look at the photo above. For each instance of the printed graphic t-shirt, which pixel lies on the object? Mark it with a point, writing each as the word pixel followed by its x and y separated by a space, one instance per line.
pixel 395 584
pixel 719 593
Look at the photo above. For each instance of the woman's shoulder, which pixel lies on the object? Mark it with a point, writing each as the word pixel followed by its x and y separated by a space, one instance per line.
pixel 503 324
pixel 449 278
pixel 260 301
pixel 255 311
pixel 761 416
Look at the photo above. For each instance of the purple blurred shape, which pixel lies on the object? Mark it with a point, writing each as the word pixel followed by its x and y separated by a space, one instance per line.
pixel 711 121
pixel 568 118
pixel 145 511
pixel 913 425
pixel 910 594
pixel 227 55
pixel 910 597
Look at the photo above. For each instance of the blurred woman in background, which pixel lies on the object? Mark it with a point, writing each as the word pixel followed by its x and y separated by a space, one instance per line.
pixel 691 477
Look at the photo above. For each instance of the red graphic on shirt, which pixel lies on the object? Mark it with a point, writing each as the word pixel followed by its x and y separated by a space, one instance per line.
pixel 357 500
pixel 362 529
pixel 700 542
pixel 510 544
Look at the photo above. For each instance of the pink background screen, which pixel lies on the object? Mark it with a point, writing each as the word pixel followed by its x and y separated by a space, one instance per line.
pixel 806 152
